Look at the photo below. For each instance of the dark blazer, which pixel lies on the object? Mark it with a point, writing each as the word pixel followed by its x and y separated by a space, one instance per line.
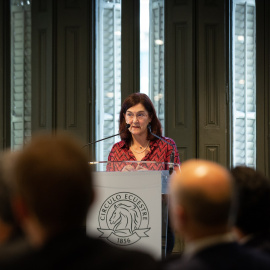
pixel 225 256
pixel 14 247
pixel 260 242
pixel 77 251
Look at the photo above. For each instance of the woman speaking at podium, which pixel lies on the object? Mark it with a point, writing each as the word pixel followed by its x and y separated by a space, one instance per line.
pixel 137 141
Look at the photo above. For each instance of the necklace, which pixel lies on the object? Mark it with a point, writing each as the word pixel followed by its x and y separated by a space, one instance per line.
pixel 140 147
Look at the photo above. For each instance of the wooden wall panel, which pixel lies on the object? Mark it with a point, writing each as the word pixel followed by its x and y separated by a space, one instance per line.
pixel 72 4
pixel 130 48
pixel 43 111
pixel 1 74
pixel 182 153
pixel 71 77
pixel 180 120
pixel 263 86
pixel 211 81
pixel 63 67
pixel 42 78
pixel 72 98
pixel 181 67
pixel 211 87
pixel 43 6
pixel 212 152
pixel 5 115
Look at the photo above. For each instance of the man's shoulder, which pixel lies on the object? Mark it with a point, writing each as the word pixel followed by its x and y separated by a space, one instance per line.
pixel 14 249
pixel 260 242
pixel 107 256
pixel 235 255
pixel 222 256
pixel 115 253
pixel 83 253
pixel 121 258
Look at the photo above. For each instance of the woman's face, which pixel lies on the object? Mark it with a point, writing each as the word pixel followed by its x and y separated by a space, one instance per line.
pixel 138 118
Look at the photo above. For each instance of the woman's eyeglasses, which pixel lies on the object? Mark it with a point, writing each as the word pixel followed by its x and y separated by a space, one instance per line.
pixel 139 116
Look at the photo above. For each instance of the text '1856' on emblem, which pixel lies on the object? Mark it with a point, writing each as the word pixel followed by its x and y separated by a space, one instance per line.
pixel 123 219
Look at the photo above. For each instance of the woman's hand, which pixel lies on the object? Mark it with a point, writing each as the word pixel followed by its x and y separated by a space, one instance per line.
pixel 128 168
pixel 140 168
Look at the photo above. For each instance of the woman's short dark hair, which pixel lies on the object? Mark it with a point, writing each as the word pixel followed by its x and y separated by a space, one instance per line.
pixel 132 100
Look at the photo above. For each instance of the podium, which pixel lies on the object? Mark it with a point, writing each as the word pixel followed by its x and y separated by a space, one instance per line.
pixel 131 206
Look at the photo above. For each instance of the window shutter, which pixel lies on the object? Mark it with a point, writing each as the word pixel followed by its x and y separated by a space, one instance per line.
pixel 244 84
pixel 157 57
pixel 20 73
pixel 109 75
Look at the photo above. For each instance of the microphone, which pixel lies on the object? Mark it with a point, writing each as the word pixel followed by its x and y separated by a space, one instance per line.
pixel 173 151
pixel 127 126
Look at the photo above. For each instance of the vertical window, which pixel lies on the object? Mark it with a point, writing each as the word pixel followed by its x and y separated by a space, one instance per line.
pixel 20 72
pixel 108 67
pixel 152 53
pixel 244 83
pixel 144 46
pixel 157 57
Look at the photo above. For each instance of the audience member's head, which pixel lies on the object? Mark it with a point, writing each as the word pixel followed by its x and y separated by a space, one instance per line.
pixel 53 186
pixel 9 227
pixel 200 199
pixel 252 201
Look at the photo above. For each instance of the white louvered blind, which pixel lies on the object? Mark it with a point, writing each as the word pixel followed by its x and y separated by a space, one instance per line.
pixel 244 83
pixel 20 72
pixel 108 66
pixel 157 56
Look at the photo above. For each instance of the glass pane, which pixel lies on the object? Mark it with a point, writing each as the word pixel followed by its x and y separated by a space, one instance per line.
pixel 108 71
pixel 144 46
pixel 152 53
pixel 244 83
pixel 20 16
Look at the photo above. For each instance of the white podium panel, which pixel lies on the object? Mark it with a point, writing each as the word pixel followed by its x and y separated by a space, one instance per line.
pixel 128 209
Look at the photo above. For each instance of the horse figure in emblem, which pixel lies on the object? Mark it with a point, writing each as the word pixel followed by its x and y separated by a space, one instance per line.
pixel 125 219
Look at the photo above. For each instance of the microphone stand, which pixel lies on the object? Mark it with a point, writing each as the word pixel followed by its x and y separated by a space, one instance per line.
pixel 173 151
pixel 127 126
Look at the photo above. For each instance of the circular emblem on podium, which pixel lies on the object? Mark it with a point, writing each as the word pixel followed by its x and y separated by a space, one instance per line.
pixel 123 219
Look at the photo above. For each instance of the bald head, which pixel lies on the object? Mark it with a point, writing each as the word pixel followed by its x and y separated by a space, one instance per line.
pixel 207 177
pixel 204 190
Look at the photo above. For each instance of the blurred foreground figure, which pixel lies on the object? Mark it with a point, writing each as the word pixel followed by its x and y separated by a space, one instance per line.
pixel 201 198
pixel 12 240
pixel 252 223
pixel 53 194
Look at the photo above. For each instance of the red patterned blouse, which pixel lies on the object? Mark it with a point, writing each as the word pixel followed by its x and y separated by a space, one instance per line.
pixel 159 152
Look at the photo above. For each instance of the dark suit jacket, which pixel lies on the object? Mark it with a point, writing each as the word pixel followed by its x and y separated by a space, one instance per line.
pixel 14 247
pixel 227 256
pixel 260 242
pixel 77 251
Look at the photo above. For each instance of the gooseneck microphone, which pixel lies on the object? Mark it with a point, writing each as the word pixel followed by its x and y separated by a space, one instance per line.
pixel 127 126
pixel 173 151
